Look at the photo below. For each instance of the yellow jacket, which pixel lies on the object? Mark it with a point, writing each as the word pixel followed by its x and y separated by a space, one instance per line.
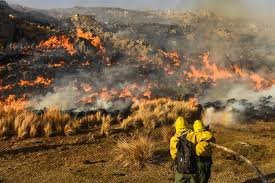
pixel 203 137
pixel 181 129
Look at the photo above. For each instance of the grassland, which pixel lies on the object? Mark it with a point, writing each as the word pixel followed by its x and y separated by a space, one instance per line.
pixel 101 148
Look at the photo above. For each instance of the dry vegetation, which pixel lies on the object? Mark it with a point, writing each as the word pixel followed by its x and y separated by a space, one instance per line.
pixel 82 157
pixel 134 152
pixel 147 113
pixel 153 113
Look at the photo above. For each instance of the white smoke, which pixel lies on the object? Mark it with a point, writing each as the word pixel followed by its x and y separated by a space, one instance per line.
pixel 224 117
pixel 61 97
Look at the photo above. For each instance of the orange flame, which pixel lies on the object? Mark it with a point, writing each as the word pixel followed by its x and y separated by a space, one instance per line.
pixel 173 56
pixel 213 72
pixel 40 80
pixel 259 81
pixel 147 93
pixel 95 40
pixel 7 87
pixel 60 64
pixel 86 87
pixel 11 102
pixel 85 63
pixel 192 102
pixel 58 42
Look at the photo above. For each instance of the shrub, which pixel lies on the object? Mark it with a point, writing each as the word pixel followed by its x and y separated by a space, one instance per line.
pixel 106 124
pixel 135 152
pixel 167 132
pixel 54 121
pixel 158 112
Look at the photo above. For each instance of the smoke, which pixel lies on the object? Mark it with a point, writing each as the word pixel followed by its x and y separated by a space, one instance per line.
pixel 234 8
pixel 61 97
pixel 68 91
pixel 225 117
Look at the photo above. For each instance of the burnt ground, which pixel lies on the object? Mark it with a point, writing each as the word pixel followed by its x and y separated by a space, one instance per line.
pixel 83 158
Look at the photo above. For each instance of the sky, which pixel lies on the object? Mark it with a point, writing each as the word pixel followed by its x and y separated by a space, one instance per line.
pixel 254 6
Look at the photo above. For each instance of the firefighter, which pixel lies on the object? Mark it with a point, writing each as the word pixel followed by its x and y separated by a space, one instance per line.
pixel 203 151
pixel 182 130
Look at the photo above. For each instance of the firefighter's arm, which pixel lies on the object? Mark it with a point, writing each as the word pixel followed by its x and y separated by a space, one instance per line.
pixel 173 147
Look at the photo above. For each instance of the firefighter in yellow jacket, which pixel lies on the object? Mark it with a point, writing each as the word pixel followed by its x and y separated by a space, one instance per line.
pixel 203 151
pixel 181 129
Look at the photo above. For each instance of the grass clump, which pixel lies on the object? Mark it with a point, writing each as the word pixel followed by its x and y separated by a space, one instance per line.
pixel 157 112
pixel 54 121
pixel 134 152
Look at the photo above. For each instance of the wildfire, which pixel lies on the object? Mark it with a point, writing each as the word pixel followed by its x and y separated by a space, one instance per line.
pixel 11 102
pixel 133 91
pixel 128 90
pixel 40 80
pixel 173 56
pixel 260 82
pixel 60 64
pixel 86 63
pixel 86 87
pixel 147 93
pixel 192 102
pixel 211 72
pixel 55 42
pixel 95 40
pixel 7 87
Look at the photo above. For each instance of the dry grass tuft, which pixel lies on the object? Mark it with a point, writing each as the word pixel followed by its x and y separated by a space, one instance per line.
pixel 134 152
pixel 167 132
pixel 7 118
pixel 147 113
pixel 25 125
pixel 55 121
pixel 158 112
pixel 106 125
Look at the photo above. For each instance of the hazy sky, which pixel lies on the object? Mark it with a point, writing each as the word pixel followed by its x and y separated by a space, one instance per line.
pixel 253 5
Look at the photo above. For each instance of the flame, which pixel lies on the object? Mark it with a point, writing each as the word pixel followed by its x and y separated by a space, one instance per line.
pixel 127 91
pixel 192 102
pixel 132 91
pixel 211 72
pixel 11 102
pixel 147 94
pixel 86 87
pixel 94 40
pixel 217 73
pixel 173 56
pixel 85 63
pixel 6 87
pixel 40 80
pixel 168 70
pixel 259 81
pixel 60 64
pixel 58 42
pixel 105 95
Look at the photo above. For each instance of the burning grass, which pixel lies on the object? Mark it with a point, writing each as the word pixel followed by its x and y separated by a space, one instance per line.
pixel 135 152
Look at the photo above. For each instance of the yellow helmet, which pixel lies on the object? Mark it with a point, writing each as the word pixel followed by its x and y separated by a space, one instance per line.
pixel 180 125
pixel 198 126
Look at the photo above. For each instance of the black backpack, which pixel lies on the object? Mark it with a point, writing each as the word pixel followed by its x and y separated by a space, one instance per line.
pixel 185 157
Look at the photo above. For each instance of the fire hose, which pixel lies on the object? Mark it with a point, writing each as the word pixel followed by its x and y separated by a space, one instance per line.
pixel 247 161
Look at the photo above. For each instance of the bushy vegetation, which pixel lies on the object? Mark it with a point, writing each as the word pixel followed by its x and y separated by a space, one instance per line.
pixel 153 113
pixel 145 113
pixel 134 152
